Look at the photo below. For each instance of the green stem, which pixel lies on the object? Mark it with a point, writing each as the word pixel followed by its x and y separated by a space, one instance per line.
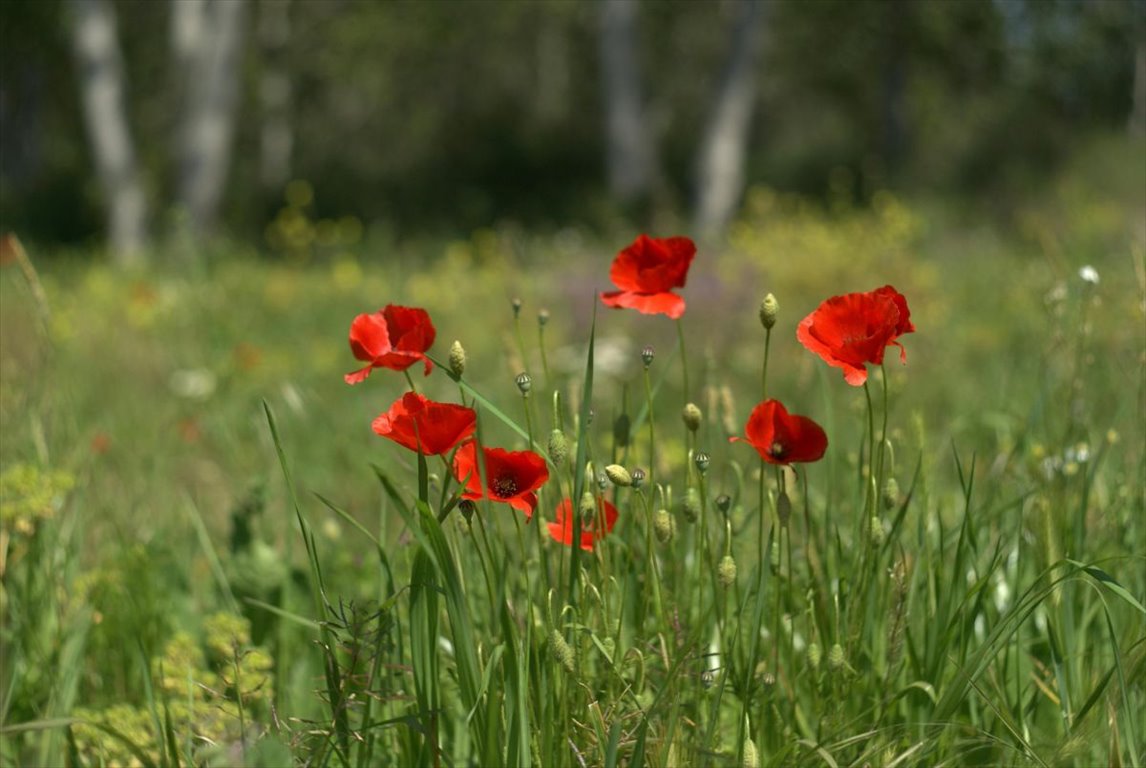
pixel 683 361
pixel 544 358
pixel 764 373
pixel 410 380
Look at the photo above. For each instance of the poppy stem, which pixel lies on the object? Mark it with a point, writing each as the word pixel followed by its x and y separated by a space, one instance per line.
pixel 652 479
pixel 764 373
pixel 683 360
pixel 410 380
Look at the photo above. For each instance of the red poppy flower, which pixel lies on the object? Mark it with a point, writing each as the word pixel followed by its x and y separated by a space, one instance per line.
pixel 782 438
pixel 414 420
pixel 647 271
pixel 561 529
pixel 852 330
pixel 511 477
pixel 394 337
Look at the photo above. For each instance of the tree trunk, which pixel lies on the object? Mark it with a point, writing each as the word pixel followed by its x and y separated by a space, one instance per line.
pixel 276 139
pixel 207 46
pixel 1136 123
pixel 724 147
pixel 629 150
pixel 103 87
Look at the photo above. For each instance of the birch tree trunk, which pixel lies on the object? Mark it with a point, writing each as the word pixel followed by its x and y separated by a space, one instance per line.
pixel 207 37
pixel 629 151
pixel 276 138
pixel 724 146
pixel 103 90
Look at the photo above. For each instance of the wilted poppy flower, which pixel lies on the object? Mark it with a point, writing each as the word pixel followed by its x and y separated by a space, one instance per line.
pixel 852 330
pixel 511 477
pixel 647 271
pixel 782 438
pixel 414 420
pixel 561 529
pixel 394 337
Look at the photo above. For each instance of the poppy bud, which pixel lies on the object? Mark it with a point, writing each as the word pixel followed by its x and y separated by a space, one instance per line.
pixel 691 506
pixel 558 447
pixel 707 679
pixel 619 475
pixel 602 480
pixel 814 654
pixel 692 416
pixel 724 503
pixel 701 460
pixel 638 476
pixel 876 531
pixel 466 507
pixel 784 508
pixel 621 430
pixel 543 317
pixel 750 759
pixel 588 506
pixel 524 383
pixel 836 658
pixel 726 571
pixel 890 493
pixel 774 555
pixel 457 359
pixel 664 526
pixel 647 355
pixel 516 303
pixel 769 308
pixel 562 651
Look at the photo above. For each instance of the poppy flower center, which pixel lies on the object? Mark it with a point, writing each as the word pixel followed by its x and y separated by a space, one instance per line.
pixel 504 487
pixel 776 450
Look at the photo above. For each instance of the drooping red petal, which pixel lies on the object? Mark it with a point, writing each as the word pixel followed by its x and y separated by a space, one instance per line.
pixel 355 377
pixel 647 303
pixel 562 528
pixel 854 330
pixel 466 470
pixel 783 438
pixel 653 265
pixel 420 424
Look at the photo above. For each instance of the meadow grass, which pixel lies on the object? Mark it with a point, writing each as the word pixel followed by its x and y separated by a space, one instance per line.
pixel 208 558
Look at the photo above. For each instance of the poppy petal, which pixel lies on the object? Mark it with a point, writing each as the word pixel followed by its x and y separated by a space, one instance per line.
pixel 361 374
pixel 647 303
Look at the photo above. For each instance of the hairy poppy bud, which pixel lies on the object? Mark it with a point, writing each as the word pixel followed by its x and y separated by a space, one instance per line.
pixel 558 447
pixel 588 506
pixel 692 416
pixel 543 317
pixel 836 658
pixel 751 759
pixel 664 526
pixel 457 358
pixel 784 508
pixel 619 475
pixel 516 303
pixel 890 493
pixel 724 503
pixel 814 654
pixel 876 531
pixel 647 355
pixel 691 506
pixel 524 382
pixel 769 308
pixel 701 459
pixel 726 571
pixel 467 507
pixel 638 476
pixel 562 651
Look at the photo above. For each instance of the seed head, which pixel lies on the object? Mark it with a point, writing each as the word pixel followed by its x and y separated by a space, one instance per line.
pixel 588 506
pixel 836 658
pixel 467 508
pixel 750 759
pixel 814 654
pixel 878 535
pixel 692 417
pixel 543 317
pixel 701 459
pixel 647 355
pixel 726 571
pixel 457 358
pixel 724 503
pixel 664 526
pixel 516 303
pixel 638 476
pixel 769 308
pixel 524 383
pixel 619 475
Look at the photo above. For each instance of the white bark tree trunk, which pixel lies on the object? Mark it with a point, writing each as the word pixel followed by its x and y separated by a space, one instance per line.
pixel 276 138
pixel 103 90
pixel 724 146
pixel 207 37
pixel 630 155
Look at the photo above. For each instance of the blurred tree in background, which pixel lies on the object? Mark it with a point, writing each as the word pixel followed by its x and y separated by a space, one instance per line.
pixel 454 115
